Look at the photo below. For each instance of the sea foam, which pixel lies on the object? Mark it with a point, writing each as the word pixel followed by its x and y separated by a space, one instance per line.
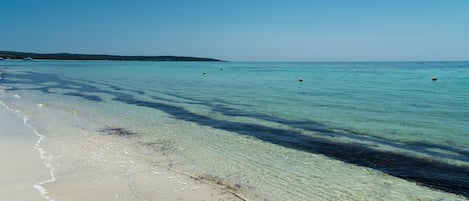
pixel 47 159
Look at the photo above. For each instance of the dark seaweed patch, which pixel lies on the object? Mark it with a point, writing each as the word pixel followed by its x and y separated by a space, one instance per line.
pixel 88 97
pixel 117 131
pixel 431 173
pixel 217 180
pixel 160 146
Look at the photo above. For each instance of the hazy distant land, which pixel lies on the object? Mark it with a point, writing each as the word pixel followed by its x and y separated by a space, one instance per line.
pixel 68 56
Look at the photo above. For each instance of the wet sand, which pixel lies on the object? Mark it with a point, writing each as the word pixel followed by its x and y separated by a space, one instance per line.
pixel 21 166
pixel 87 164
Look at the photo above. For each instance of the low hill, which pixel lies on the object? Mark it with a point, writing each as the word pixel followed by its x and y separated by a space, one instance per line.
pixel 67 56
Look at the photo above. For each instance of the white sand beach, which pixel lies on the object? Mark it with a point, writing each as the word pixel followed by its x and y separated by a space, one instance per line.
pixel 84 163
pixel 21 167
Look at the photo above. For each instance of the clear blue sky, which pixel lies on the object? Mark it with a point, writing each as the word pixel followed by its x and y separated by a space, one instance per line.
pixel 242 30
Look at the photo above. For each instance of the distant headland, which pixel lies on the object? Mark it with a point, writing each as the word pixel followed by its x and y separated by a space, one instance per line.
pixel 68 56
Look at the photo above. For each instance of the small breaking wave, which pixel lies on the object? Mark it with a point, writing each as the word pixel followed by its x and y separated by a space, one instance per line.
pixel 47 159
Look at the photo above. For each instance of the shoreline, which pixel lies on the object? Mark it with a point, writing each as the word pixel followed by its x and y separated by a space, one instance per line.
pixel 21 142
pixel 108 146
pixel 84 164
pixel 46 159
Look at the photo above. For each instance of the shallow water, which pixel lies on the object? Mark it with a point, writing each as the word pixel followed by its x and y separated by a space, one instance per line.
pixel 349 131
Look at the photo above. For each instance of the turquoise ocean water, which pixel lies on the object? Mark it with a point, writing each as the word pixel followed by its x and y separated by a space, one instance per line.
pixel 348 131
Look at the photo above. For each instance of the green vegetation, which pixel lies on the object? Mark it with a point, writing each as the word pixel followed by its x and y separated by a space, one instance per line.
pixel 67 56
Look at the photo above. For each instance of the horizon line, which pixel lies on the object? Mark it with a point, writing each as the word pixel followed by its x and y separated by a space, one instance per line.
pixel 224 60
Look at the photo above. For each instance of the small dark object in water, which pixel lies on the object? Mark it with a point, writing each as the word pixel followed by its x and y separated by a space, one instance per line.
pixel 221 68
pixel 434 79
pixel 205 73
pixel 301 79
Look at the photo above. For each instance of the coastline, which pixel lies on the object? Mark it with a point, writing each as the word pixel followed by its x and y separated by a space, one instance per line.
pixel 68 56
pixel 106 146
pixel 22 167
pixel 78 162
